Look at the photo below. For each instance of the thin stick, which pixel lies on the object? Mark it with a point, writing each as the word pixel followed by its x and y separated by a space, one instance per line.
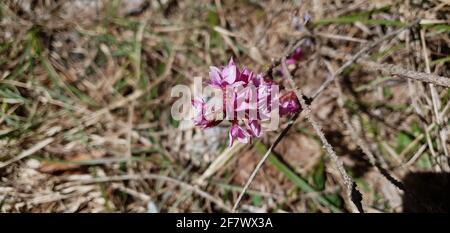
pixel 264 158
pixel 350 184
pixel 389 69
pixel 415 156
pixel 359 141
pixel 348 181
pixel 38 146
pixel 442 160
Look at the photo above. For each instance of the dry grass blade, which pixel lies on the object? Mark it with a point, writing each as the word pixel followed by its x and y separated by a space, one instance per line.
pixel 198 191
pixel 262 160
pixel 35 148
pixel 219 162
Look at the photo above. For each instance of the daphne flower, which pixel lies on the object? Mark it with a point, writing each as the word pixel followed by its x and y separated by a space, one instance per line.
pixel 266 95
pixel 254 128
pixel 289 104
pixel 237 132
pixel 247 98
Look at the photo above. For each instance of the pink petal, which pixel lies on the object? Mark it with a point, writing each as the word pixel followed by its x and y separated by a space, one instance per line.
pixel 197 102
pixel 255 128
pixel 214 76
pixel 229 74
pixel 231 62
pixel 246 75
pixel 257 80
pixel 236 132
pixel 289 104
pixel 245 100
pixel 199 114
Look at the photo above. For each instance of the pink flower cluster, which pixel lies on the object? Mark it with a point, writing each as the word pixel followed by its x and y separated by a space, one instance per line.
pixel 247 100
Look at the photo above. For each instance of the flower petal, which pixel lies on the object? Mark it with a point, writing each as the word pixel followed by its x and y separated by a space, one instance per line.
pixel 289 104
pixel 255 128
pixel 214 76
pixel 231 62
pixel 199 118
pixel 236 132
pixel 246 75
pixel 229 74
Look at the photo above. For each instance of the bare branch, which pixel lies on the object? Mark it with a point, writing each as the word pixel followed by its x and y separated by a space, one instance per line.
pixel 354 195
pixel 348 181
pixel 264 158
pixel 390 69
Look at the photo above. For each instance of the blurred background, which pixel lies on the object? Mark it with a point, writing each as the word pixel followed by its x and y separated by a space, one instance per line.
pixel 85 123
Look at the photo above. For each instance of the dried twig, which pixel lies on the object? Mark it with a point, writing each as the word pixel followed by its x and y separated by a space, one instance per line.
pixel 390 69
pixel 350 184
pixel 315 95
pixel 278 139
pixel 436 103
pixel 219 162
pixel 38 146
pixel 352 193
pixel 263 159
pixel 360 142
